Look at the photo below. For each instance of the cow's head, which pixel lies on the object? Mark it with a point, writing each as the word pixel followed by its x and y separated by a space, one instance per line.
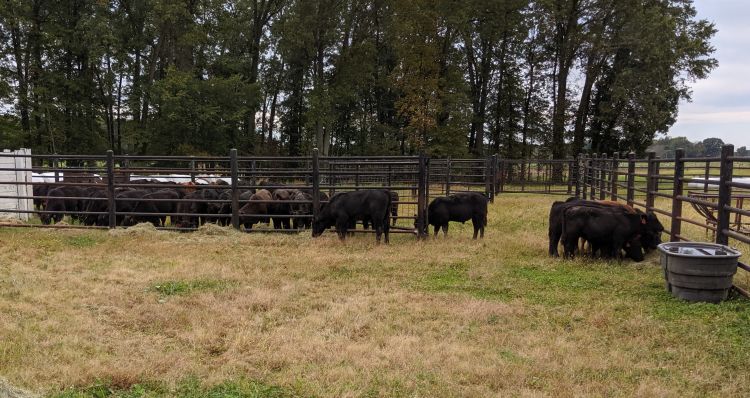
pixel 634 249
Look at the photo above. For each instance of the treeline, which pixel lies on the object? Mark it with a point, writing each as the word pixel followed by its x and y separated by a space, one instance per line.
pixel 709 147
pixel 520 78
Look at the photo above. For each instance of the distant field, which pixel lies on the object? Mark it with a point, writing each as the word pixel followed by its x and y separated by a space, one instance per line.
pixel 223 314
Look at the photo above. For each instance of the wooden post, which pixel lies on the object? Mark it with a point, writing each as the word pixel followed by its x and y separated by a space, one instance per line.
pixel 614 175
pixel 603 177
pixel 316 182
pixel 650 180
pixel 679 172
pixel 234 170
pixel 421 199
pixel 111 189
pixel 725 194
pixel 631 178
pixel 390 171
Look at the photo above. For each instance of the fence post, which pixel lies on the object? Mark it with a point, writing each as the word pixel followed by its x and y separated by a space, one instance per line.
pixel 603 177
pixel 571 167
pixel 577 174
pixel 503 171
pixel 448 176
pixel 583 174
pixel 331 178
pixel 493 174
pixel 253 180
pixel 487 179
pixel 316 183
pixel 56 166
pixel 679 172
pixel 707 175
pixel 421 200
pixel 234 170
pixel 631 178
pixel 614 175
pixel 192 169
pixel 390 171
pixel 356 177
pixel 725 194
pixel 111 189
pixel 650 179
pixel 593 181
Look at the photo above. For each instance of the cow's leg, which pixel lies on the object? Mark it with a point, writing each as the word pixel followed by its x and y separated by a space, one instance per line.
pixel 437 228
pixel 342 226
pixel 476 225
pixel 445 230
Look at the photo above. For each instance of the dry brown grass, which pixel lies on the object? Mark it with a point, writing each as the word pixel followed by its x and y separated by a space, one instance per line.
pixel 451 317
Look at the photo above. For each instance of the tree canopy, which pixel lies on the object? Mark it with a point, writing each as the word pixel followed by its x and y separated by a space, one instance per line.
pixel 516 77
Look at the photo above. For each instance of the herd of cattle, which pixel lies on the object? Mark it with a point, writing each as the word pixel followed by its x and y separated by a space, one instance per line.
pixel 609 228
pixel 189 206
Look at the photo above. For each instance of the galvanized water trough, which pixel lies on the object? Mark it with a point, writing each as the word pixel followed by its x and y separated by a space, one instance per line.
pixel 698 271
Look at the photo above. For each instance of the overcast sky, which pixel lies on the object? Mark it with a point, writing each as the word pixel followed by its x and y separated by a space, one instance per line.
pixel 721 103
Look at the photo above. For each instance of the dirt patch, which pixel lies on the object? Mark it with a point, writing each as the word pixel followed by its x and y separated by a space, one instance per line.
pixel 8 391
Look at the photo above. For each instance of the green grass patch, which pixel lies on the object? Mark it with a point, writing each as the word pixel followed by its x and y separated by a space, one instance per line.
pixel 171 288
pixel 188 388
pixel 82 241
pixel 455 279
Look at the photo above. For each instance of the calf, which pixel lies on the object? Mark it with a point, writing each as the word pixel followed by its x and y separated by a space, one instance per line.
pixel 459 207
pixel 345 209
pixel 651 229
pixel 256 209
pixel 608 230
pixel 62 200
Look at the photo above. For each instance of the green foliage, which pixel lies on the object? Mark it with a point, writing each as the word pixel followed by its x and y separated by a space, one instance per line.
pixel 350 77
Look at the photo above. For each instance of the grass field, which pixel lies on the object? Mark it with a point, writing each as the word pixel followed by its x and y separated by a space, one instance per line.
pixel 152 314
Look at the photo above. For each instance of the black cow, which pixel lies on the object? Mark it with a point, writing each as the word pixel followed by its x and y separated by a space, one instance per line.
pixel 459 207
pixel 301 209
pixel 281 211
pixel 40 190
pixel 651 228
pixel 608 230
pixel 57 203
pixel 159 203
pixel 256 209
pixel 195 203
pixel 129 202
pixel 346 208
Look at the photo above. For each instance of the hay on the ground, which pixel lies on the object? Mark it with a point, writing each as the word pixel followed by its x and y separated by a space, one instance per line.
pixel 215 229
pixel 143 228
